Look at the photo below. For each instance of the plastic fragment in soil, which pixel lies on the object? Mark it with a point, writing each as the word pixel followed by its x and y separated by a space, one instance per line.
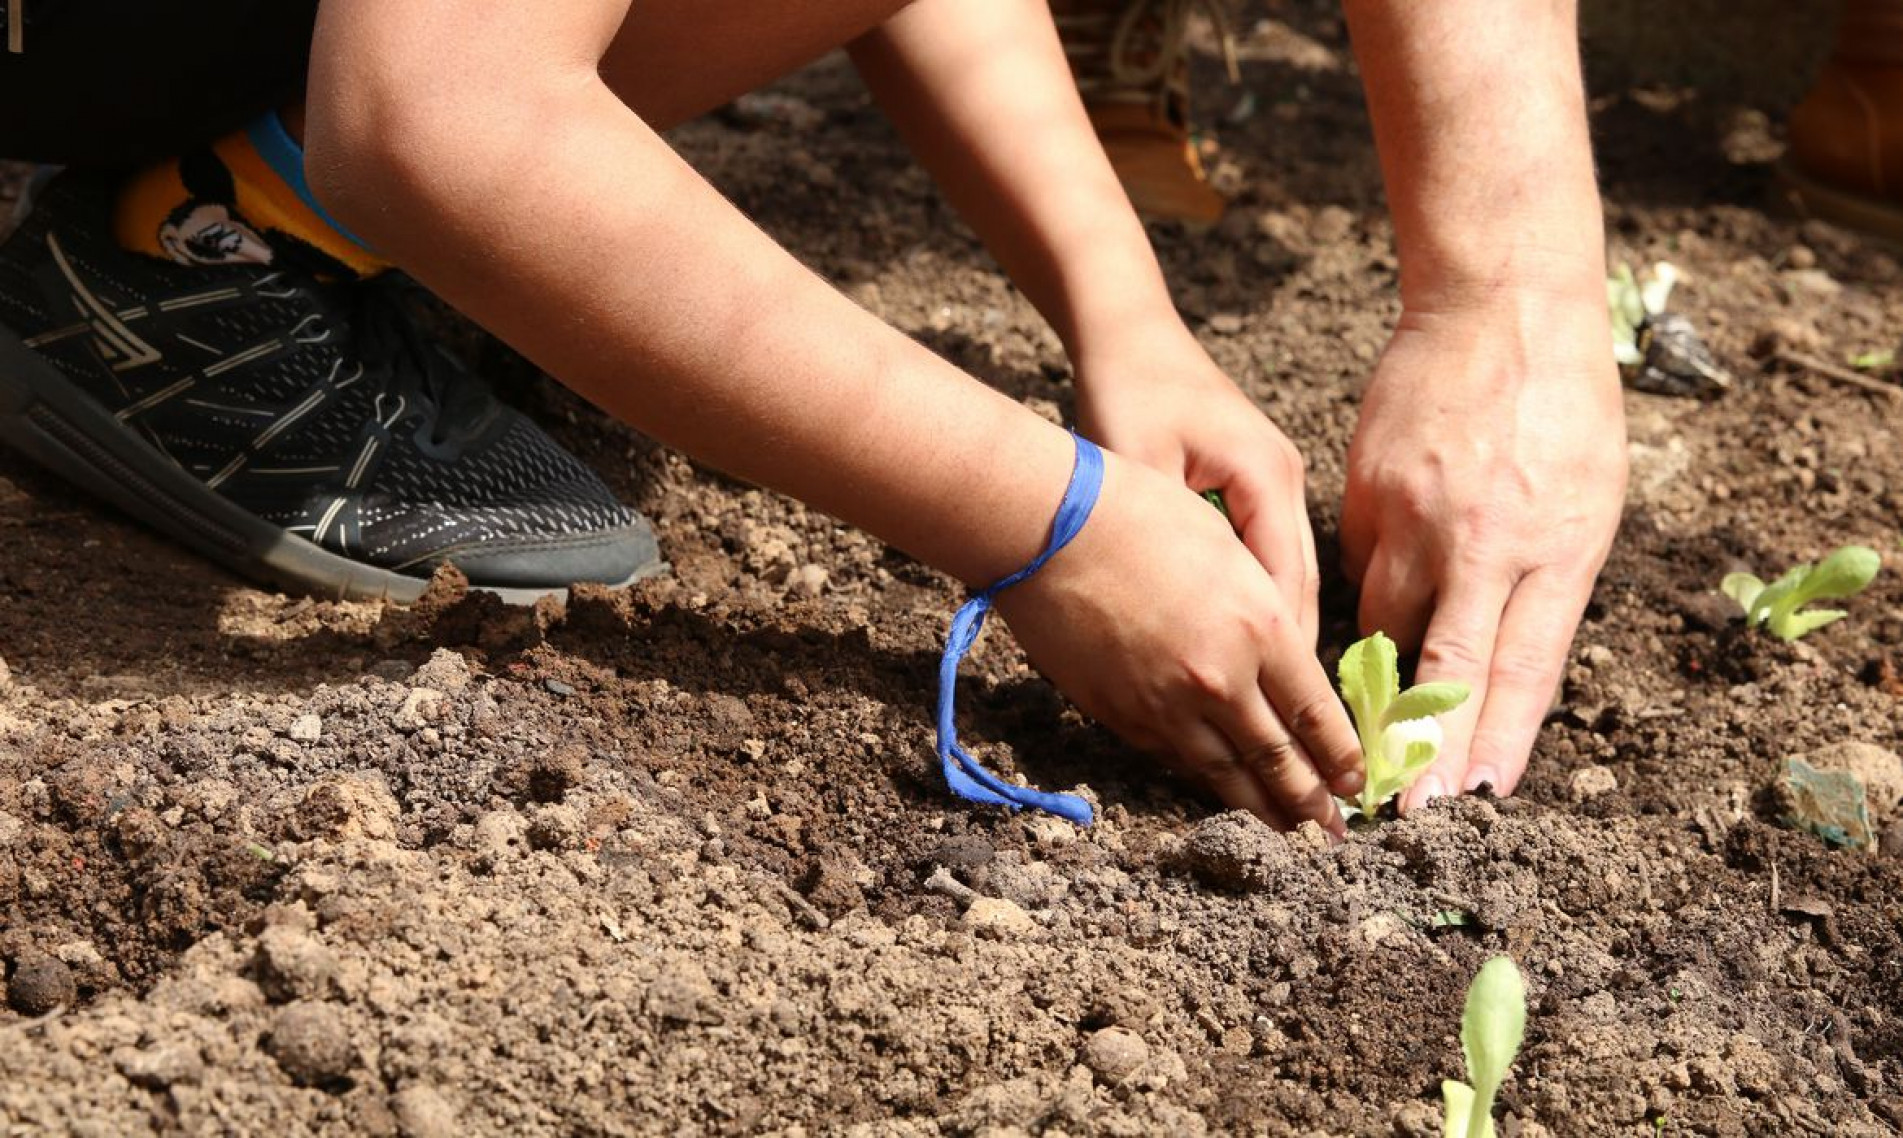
pixel 1829 804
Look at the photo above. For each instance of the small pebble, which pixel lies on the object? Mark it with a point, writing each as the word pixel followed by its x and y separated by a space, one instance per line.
pixel 41 984
pixel 307 728
pixel 807 582
pixel 1591 782
pixel 422 707
pixel 161 1065
pixel 1115 1053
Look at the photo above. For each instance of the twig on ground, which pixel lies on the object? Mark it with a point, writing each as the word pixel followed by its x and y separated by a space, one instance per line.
pixel 1840 374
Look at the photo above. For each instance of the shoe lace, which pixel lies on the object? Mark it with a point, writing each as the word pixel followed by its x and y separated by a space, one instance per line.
pixel 1145 50
pixel 395 349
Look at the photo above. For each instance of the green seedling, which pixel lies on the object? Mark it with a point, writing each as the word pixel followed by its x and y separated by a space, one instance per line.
pixel 1399 735
pixel 1634 303
pixel 1490 1034
pixel 1776 606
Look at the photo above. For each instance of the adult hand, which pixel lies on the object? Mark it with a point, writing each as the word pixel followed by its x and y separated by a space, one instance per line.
pixel 1484 486
pixel 1159 624
pixel 1155 396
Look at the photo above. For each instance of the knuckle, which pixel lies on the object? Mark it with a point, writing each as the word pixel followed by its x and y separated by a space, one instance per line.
pixel 1264 621
pixel 1311 714
pixel 1289 461
pixel 1209 680
pixel 1276 761
pixel 1453 655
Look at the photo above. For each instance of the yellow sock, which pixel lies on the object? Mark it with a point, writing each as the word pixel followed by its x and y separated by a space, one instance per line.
pixel 242 201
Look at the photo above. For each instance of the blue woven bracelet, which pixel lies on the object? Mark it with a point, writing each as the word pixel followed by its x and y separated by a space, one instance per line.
pixel 967 778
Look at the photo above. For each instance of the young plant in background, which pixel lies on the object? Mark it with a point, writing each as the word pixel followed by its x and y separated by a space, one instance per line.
pixel 1490 1034
pixel 1845 573
pixel 1399 735
pixel 1658 351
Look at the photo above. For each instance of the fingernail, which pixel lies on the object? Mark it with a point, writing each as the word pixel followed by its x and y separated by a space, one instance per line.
pixel 1350 784
pixel 1429 789
pixel 1477 776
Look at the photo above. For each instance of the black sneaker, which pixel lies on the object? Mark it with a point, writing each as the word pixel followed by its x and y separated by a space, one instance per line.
pixel 298 431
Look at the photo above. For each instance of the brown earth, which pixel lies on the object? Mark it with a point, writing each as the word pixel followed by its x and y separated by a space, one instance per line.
pixel 669 861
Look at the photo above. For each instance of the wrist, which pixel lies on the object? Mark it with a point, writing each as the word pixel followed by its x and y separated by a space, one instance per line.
pixel 1111 300
pixel 1557 255
pixel 1117 354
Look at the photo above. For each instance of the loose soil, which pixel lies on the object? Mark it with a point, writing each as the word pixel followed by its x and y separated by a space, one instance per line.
pixel 678 860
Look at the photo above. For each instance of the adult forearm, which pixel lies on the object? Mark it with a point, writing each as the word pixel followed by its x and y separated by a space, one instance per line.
pixel 982 92
pixel 573 232
pixel 1480 119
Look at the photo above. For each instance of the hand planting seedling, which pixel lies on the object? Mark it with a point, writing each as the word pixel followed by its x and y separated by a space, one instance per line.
pixel 1490 1034
pixel 1658 351
pixel 1845 573
pixel 1399 735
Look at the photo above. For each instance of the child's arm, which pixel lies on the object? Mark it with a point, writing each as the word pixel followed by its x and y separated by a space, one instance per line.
pixel 982 92
pixel 478 147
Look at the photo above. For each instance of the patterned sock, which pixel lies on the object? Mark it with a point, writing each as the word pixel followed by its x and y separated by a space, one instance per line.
pixel 243 200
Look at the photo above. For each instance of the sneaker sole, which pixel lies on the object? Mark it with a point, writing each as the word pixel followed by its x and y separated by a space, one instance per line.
pixel 1812 198
pixel 43 417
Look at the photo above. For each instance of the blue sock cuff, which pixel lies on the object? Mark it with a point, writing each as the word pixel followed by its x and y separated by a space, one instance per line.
pixel 963 773
pixel 285 157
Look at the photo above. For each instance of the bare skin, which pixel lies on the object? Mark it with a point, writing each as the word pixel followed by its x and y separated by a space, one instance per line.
pixel 508 156
pixel 1487 473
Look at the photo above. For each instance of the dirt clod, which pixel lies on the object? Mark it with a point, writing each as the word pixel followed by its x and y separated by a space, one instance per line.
pixel 312 1045
pixel 40 984
pixel 1239 851
pixel 1115 1053
pixel 307 728
pixel 999 919
pixel 160 1066
pixel 422 1112
pixel 293 964
pixel 1591 782
pixel 445 671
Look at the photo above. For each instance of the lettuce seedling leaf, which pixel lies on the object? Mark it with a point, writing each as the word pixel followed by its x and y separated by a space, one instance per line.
pixel 1796 625
pixel 1845 573
pixel 1399 736
pixel 1424 700
pixel 1459 1098
pixel 1655 292
pixel 1491 1031
pixel 1743 588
